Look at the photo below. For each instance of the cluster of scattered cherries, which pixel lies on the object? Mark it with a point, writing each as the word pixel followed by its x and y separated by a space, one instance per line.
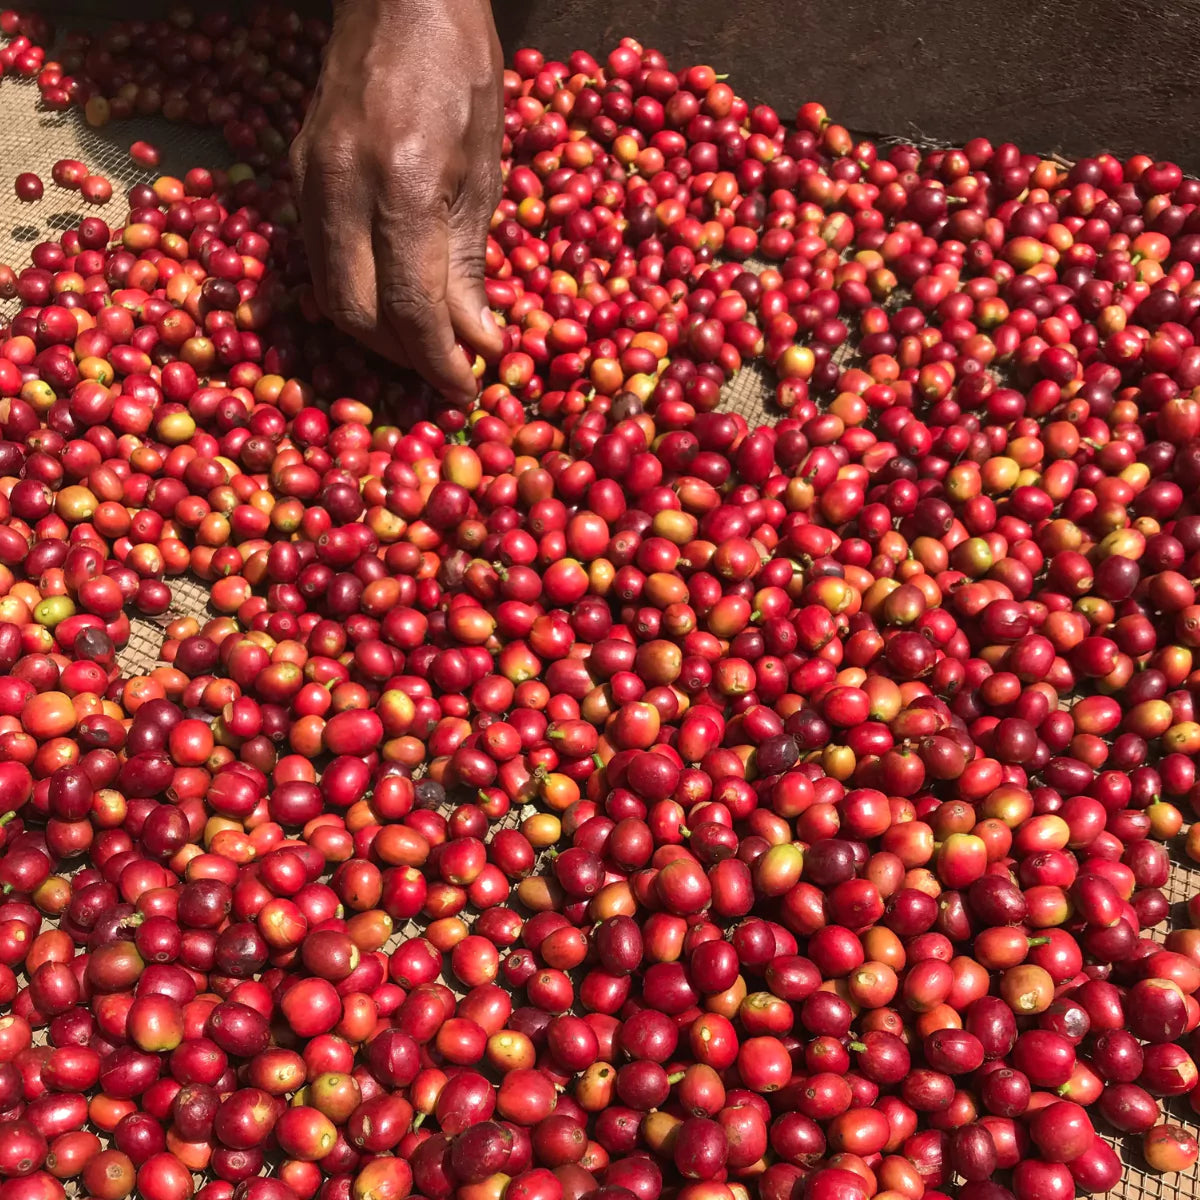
pixel 588 795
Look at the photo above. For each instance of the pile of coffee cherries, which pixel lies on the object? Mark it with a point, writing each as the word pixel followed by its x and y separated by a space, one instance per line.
pixel 586 794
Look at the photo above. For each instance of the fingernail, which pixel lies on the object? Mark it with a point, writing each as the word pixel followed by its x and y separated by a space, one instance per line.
pixel 489 321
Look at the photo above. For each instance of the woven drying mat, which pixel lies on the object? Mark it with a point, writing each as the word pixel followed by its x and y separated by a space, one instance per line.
pixel 33 139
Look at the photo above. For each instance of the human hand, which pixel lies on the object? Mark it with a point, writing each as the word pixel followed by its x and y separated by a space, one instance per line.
pixel 397 172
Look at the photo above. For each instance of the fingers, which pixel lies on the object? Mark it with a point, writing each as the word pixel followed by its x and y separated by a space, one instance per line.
pixel 337 235
pixel 345 284
pixel 471 216
pixel 397 245
pixel 465 295
pixel 411 261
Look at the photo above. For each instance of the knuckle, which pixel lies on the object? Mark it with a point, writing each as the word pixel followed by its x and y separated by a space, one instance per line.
pixel 417 182
pixel 409 201
pixel 493 189
pixel 468 258
pixel 409 303
pixel 346 314
pixel 330 166
pixel 475 204
pixel 405 156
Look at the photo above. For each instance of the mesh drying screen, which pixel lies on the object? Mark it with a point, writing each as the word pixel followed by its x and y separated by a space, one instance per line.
pixel 750 392
pixel 34 139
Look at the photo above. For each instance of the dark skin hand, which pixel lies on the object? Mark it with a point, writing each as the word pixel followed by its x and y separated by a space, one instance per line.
pixel 397 170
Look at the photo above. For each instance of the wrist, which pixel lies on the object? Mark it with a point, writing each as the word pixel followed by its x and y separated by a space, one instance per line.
pixel 367 34
pixel 450 12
